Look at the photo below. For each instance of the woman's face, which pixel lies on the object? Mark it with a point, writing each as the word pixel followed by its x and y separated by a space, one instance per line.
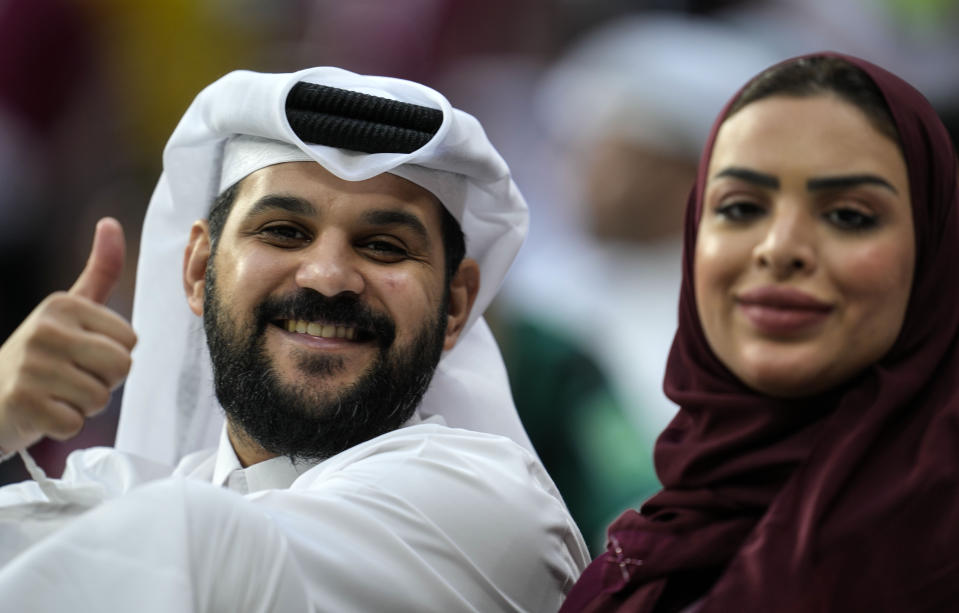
pixel 805 253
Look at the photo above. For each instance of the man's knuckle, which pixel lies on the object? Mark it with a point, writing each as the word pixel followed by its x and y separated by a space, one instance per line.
pixel 66 426
pixel 100 397
pixel 124 364
pixel 57 302
pixel 48 332
pixel 22 400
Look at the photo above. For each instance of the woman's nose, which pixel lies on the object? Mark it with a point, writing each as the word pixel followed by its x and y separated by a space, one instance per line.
pixel 788 246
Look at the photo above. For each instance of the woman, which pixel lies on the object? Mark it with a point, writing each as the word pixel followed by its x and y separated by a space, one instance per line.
pixel 814 463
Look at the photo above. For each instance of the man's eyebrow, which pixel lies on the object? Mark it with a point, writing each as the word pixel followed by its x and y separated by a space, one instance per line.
pixel 291 204
pixel 385 217
pixel 749 176
pixel 847 181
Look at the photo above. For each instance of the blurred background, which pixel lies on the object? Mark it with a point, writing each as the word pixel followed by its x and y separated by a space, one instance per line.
pixel 599 106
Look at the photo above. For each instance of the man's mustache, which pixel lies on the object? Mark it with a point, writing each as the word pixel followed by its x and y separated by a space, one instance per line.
pixel 342 309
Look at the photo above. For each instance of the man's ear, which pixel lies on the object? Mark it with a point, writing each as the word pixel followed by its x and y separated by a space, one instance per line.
pixel 463 289
pixel 195 260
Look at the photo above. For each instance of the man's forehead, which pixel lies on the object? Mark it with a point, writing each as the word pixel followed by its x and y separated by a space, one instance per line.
pixel 311 185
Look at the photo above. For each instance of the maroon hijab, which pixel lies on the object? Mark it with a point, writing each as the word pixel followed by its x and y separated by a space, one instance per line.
pixel 847 501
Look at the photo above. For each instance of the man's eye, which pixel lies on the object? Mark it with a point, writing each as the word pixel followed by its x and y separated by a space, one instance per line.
pixel 740 211
pixel 283 234
pixel 384 250
pixel 851 219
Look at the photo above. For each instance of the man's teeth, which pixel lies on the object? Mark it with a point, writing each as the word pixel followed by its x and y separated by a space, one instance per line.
pixel 320 330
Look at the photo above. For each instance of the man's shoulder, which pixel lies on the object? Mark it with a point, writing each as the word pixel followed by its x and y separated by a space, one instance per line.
pixel 430 483
pixel 430 464
pixel 444 506
pixel 425 446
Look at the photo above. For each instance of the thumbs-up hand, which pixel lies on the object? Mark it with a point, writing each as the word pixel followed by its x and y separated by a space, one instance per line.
pixel 60 366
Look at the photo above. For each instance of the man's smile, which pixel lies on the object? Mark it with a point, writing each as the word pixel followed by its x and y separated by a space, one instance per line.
pixel 318 329
pixel 341 321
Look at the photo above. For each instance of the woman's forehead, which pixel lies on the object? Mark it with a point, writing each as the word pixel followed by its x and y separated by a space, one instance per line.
pixel 818 134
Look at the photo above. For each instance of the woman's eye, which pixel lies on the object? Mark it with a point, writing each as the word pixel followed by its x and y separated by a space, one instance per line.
pixel 740 211
pixel 851 219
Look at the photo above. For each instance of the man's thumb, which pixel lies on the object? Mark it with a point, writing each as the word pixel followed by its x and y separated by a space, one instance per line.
pixel 102 272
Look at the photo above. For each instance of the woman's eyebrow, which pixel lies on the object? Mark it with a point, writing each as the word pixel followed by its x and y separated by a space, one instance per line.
pixel 750 176
pixel 847 181
pixel 819 184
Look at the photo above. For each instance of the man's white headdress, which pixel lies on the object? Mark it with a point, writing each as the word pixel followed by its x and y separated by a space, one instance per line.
pixel 169 407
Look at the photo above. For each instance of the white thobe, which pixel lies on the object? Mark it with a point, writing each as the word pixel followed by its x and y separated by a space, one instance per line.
pixel 424 518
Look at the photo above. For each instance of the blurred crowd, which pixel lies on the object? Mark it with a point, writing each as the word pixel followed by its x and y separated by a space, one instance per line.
pixel 599 107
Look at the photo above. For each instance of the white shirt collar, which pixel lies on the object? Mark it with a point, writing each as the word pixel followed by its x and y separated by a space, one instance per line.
pixel 276 473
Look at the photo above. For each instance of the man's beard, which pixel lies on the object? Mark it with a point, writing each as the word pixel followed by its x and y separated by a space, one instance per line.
pixel 296 420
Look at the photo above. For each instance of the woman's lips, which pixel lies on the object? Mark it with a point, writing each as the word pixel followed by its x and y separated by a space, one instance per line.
pixel 781 310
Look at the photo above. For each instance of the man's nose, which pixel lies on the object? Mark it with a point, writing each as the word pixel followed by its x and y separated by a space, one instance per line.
pixel 789 244
pixel 330 266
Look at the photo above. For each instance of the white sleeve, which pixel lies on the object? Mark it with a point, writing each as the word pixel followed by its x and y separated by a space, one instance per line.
pixel 173 545
pixel 33 510
pixel 422 520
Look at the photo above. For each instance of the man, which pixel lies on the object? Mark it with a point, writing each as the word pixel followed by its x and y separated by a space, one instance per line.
pixel 365 462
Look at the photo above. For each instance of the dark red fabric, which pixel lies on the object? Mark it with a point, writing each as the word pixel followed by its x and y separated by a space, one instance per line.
pixel 842 502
